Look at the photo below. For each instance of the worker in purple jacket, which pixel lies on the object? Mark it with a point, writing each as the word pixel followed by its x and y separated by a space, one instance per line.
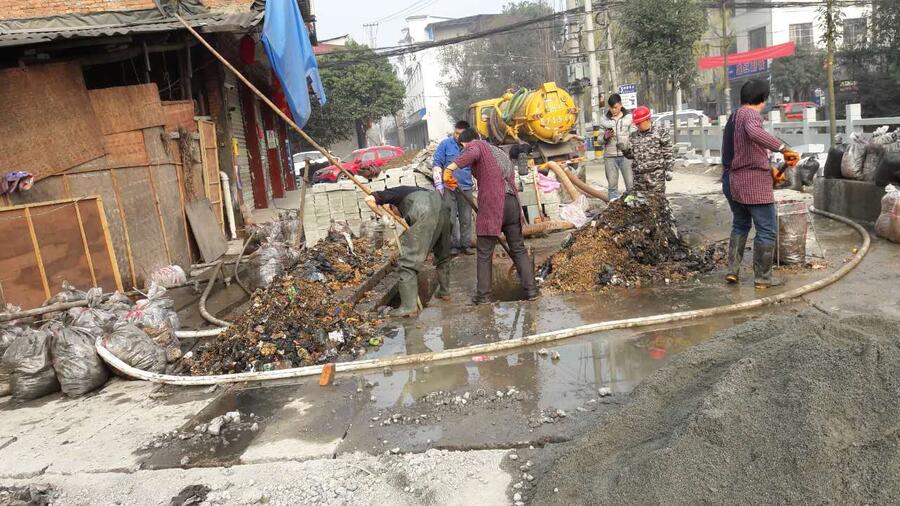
pixel 499 210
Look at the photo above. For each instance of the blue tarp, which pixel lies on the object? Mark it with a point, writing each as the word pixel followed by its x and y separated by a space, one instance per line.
pixel 287 44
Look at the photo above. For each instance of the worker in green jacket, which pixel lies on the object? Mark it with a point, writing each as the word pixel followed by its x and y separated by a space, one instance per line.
pixel 429 232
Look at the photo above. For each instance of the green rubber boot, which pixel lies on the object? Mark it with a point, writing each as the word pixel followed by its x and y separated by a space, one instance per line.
pixel 409 297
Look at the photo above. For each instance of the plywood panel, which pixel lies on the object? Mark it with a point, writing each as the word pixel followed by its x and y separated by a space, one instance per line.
pixel 209 153
pixel 127 108
pixel 125 149
pixel 148 248
pixel 19 272
pixel 106 272
pixel 167 190
pixel 62 249
pixel 100 184
pixel 179 114
pixel 206 231
pixel 48 124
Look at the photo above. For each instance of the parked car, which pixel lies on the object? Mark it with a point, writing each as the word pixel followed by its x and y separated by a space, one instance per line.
pixel 316 161
pixel 683 115
pixel 793 111
pixel 366 162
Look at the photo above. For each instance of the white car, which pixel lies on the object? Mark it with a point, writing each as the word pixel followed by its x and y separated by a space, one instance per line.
pixel 316 161
pixel 683 116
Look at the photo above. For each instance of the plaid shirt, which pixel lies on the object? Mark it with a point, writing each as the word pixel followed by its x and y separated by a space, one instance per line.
pixel 750 175
pixel 487 167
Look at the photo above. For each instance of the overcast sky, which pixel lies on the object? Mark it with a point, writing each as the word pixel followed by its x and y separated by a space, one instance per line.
pixel 339 17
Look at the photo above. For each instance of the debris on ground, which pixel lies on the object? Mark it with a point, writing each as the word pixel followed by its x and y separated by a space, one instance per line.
pixel 190 496
pixel 30 495
pixel 633 242
pixel 797 409
pixel 219 431
pixel 301 319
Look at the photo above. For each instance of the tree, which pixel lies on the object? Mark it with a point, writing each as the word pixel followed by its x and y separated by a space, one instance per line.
pixel 361 88
pixel 831 18
pixel 486 68
pixel 659 37
pixel 799 75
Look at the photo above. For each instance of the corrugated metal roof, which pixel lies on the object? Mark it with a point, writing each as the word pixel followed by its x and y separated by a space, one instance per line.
pixel 26 32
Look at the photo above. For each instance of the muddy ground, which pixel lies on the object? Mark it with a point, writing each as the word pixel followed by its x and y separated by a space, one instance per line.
pixel 784 410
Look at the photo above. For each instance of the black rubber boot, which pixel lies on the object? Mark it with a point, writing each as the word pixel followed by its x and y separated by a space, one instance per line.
pixel 763 260
pixel 443 277
pixel 736 246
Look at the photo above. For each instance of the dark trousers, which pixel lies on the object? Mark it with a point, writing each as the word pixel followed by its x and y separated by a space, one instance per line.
pixel 761 216
pixel 460 217
pixel 512 229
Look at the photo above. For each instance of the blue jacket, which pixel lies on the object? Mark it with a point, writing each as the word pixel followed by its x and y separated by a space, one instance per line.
pixel 447 151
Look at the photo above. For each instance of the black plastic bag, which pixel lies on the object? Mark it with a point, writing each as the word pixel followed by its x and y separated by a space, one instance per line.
pixel 833 163
pixel 8 334
pixel 31 369
pixel 134 347
pixel 78 367
pixel 889 170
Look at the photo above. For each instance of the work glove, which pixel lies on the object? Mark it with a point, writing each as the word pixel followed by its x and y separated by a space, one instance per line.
pixel 450 182
pixel 438 180
pixel 791 158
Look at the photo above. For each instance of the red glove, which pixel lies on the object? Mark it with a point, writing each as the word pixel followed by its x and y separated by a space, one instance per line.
pixel 450 182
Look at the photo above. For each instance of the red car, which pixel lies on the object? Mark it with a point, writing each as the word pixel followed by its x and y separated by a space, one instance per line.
pixel 365 162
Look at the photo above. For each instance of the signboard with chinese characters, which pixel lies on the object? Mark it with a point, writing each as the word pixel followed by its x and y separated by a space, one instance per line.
pixel 748 69
pixel 628 92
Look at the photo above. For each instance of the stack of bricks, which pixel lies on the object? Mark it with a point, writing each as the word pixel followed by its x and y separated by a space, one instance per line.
pixel 343 202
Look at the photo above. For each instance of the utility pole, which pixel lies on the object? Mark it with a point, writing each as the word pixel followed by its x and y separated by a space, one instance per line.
pixel 830 33
pixel 611 55
pixel 726 44
pixel 594 72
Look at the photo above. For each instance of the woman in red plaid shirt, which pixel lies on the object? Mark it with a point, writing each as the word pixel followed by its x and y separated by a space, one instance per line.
pixel 750 178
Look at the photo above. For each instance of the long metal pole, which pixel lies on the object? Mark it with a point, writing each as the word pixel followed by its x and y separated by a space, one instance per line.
pixel 283 116
pixel 594 73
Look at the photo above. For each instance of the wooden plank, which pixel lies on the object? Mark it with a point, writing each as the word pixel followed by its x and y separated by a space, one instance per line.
pixel 179 114
pixel 172 208
pixel 101 184
pixel 210 156
pixel 37 252
pixel 159 215
pixel 125 149
pixel 84 243
pixel 48 123
pixel 59 245
pixel 206 231
pixel 179 173
pixel 127 238
pixel 19 273
pixel 99 244
pixel 127 108
pixel 144 231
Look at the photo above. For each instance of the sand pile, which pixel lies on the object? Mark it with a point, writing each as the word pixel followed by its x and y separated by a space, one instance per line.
pixel 631 243
pixel 301 319
pixel 781 410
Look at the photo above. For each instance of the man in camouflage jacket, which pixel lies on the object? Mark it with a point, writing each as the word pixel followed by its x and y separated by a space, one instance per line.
pixel 651 150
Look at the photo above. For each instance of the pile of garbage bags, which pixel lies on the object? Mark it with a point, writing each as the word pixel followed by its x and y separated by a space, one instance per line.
pixel 888 223
pixel 58 353
pixel 863 157
pixel 278 248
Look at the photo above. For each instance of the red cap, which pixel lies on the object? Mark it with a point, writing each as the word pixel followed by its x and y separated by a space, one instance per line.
pixel 640 115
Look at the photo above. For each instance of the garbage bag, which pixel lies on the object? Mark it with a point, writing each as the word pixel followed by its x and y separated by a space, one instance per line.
pixel 31 370
pixel 807 170
pixel 793 224
pixel 8 334
pixel 134 347
pixel 575 212
pixel 168 276
pixel 267 264
pixel 854 157
pixel 78 367
pixel 68 294
pixel 888 223
pixel 833 163
pixel 156 313
pixel 888 172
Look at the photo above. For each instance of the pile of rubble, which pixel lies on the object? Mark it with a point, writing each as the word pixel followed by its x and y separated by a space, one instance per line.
pixel 634 242
pixel 302 318
pixel 219 431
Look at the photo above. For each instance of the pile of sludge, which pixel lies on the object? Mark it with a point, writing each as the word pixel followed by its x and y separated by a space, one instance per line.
pixel 302 318
pixel 633 242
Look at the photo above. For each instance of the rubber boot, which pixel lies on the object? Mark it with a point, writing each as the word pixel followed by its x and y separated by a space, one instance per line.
pixel 409 297
pixel 443 291
pixel 736 247
pixel 763 260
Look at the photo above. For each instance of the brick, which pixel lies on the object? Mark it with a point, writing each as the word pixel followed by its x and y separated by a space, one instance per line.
pixel 528 198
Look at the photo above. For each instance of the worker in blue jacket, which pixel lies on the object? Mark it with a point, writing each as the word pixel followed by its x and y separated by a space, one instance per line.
pixel 460 212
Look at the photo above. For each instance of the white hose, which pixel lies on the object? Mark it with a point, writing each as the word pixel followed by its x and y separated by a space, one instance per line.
pixel 229 211
pixel 479 349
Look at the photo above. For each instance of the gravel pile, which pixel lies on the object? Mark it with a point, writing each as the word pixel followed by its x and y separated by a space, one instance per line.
pixel 781 410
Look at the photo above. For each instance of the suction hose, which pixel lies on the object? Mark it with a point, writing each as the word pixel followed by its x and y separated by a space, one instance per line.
pixel 496 347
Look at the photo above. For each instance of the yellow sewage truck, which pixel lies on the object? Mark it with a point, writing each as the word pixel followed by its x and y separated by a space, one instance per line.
pixel 543 118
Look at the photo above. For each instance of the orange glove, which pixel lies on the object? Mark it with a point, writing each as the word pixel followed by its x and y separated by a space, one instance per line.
pixel 791 158
pixel 450 182
pixel 778 177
